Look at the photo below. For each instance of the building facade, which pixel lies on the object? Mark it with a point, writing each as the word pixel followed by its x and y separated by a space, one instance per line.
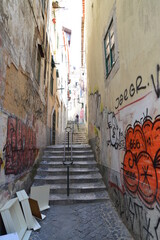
pixel 28 103
pixel 62 58
pixel 122 57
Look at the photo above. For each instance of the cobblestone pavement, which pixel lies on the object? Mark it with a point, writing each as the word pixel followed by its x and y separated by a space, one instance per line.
pixel 96 221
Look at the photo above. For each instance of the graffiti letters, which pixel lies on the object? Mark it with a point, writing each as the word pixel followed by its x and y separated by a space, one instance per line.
pixel 141 165
pixel 133 89
pixel 138 86
pixel 140 221
pixel 116 135
pixel 156 86
pixel 157 229
pixel 20 148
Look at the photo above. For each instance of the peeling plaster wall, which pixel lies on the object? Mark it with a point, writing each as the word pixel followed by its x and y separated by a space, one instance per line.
pixel 123 110
pixel 23 102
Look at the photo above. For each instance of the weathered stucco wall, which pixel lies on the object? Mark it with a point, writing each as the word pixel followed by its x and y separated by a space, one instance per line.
pixel 123 110
pixel 23 108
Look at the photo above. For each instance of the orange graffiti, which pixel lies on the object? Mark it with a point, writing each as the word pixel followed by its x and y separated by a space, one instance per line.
pixel 130 171
pixel 157 166
pixel 141 165
pixel 135 140
pixel 147 178
pixel 152 136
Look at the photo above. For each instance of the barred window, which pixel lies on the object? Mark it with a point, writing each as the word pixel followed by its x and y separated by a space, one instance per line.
pixel 109 45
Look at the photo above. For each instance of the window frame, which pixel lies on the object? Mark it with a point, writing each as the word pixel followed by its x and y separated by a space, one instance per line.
pixel 114 58
pixel 38 73
pixel 51 83
pixel 109 56
pixel 51 76
pixel 43 7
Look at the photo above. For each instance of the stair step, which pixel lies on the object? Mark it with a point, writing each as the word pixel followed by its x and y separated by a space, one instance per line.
pixel 75 158
pixel 77 187
pixel 62 171
pixel 81 152
pixel 58 164
pixel 74 147
pixel 72 178
pixel 79 198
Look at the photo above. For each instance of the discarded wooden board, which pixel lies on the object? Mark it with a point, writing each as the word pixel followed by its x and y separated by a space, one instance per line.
pixel 35 209
pixel 14 220
pixel 2 227
pixel 41 195
pixel 11 236
pixel 30 220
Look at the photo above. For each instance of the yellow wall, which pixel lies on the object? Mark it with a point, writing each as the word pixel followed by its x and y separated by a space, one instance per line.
pixel 124 109
pixel 23 101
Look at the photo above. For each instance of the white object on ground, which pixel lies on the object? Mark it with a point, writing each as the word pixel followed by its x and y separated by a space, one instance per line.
pixel 30 220
pixel 14 220
pixel 41 195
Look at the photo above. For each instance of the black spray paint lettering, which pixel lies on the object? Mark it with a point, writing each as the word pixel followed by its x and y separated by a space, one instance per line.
pixel 157 229
pixel 147 229
pixel 132 90
pixel 116 135
pixel 135 215
pixel 156 88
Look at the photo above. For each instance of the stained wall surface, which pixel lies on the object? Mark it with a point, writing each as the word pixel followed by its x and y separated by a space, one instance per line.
pixel 23 108
pixel 124 108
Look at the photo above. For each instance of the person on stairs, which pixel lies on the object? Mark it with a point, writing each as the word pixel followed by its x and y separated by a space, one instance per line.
pixel 77 121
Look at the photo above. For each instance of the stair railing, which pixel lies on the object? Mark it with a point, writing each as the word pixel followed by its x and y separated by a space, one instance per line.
pixel 68 160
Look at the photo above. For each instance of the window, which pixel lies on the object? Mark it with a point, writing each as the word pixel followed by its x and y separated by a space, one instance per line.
pixel 38 75
pixel 51 78
pixel 51 84
pixel 46 58
pixel 109 44
pixel 111 53
pixel 40 54
pixel 43 5
pixel 57 73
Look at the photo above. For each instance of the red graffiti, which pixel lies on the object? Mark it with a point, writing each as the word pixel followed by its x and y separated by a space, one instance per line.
pixel 20 149
pixel 152 136
pixel 135 140
pixel 141 165
pixel 147 178
pixel 130 171
pixel 157 166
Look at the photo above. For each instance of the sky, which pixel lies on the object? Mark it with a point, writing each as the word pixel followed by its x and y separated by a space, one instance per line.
pixel 72 20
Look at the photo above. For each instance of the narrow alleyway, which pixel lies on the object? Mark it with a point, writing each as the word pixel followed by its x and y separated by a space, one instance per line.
pixel 94 221
pixel 86 183
pixel 87 213
pixel 94 65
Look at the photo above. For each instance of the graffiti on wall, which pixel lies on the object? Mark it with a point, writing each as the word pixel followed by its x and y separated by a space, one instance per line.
pixel 137 87
pixel 155 82
pixel 141 165
pixel 116 138
pixel 145 225
pixel 20 148
pixel 134 88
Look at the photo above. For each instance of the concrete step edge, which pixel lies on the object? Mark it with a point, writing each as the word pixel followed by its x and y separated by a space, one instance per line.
pixel 83 197
pixel 74 170
pixel 62 177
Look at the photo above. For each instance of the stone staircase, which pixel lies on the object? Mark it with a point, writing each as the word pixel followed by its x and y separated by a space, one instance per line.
pixel 86 183
pixel 79 134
